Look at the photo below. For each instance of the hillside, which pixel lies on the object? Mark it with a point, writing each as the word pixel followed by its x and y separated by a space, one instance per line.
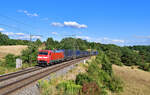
pixel 13 49
pixel 137 82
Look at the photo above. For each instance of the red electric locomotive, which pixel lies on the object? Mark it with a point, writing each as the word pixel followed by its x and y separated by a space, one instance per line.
pixel 47 57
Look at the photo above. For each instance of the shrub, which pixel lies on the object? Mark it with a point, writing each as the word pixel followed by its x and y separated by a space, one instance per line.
pixel 1 63
pixel 106 65
pixel 43 84
pixel 30 54
pixel 68 88
pixel 82 78
pixel 118 63
pixel 145 66
pixel 130 57
pixel 45 87
pixel 2 70
pixel 91 88
pixel 10 60
pixel 115 84
pixel 103 75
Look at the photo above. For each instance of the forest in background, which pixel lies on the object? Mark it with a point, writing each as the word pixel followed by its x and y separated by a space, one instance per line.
pixel 127 55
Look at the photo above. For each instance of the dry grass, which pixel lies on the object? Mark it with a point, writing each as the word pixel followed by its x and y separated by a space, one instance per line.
pixel 14 49
pixel 50 87
pixel 71 75
pixel 137 82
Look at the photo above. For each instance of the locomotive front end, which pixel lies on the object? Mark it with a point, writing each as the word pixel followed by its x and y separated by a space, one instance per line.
pixel 43 58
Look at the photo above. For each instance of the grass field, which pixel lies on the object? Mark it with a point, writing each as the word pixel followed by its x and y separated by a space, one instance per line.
pixel 136 82
pixel 14 49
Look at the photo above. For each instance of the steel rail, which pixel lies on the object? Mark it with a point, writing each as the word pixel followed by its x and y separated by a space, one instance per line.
pixel 18 73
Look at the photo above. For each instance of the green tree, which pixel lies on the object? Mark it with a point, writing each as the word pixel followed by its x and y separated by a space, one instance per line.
pixel 3 39
pixel 30 54
pixel 83 78
pixel 10 60
pixel 68 43
pixel 51 44
pixel 38 42
pixel 106 65
pixel 130 57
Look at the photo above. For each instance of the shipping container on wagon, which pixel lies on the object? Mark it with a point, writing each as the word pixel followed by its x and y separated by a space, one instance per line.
pixel 77 53
pixel 68 54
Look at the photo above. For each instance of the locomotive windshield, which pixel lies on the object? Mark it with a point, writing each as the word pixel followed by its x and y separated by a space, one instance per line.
pixel 43 53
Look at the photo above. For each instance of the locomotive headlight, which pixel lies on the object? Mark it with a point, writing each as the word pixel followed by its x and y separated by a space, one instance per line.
pixel 39 57
pixel 45 57
pixel 42 57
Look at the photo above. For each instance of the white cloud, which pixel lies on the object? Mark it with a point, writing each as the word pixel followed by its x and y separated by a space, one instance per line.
pixel 106 40
pixel 74 24
pixel 28 14
pixel 8 33
pixel 118 41
pixel 13 34
pixel 69 24
pixel 54 33
pixel 1 29
pixel 27 37
pixel 36 37
pixel 57 24
pixel 21 34
pixel 83 37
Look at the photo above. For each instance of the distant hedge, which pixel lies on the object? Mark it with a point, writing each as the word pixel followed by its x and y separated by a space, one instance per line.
pixel 5 40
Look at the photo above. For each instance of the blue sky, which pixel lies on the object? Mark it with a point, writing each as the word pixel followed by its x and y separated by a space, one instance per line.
pixel 121 22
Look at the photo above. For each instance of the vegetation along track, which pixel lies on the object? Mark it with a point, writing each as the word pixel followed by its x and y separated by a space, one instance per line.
pixel 9 88
pixel 18 73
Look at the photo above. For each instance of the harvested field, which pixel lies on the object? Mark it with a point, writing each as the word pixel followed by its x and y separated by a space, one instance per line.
pixel 136 81
pixel 14 49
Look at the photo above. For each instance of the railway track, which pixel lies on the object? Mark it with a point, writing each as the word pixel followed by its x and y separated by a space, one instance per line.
pixel 18 73
pixel 11 87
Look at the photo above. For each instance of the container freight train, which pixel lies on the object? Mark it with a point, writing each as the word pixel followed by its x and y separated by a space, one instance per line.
pixel 48 57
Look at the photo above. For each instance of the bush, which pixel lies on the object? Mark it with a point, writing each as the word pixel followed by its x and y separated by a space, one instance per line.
pixel 92 89
pixel 115 84
pixel 2 70
pixel 44 86
pixel 10 60
pixel 130 57
pixel 1 63
pixel 68 88
pixel 82 78
pixel 145 66
pixel 119 63
pixel 106 65
pixel 103 75
pixel 30 54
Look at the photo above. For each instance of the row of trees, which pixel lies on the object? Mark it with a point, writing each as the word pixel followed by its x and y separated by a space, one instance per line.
pixel 130 56
pixel 71 43
pixel 5 40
